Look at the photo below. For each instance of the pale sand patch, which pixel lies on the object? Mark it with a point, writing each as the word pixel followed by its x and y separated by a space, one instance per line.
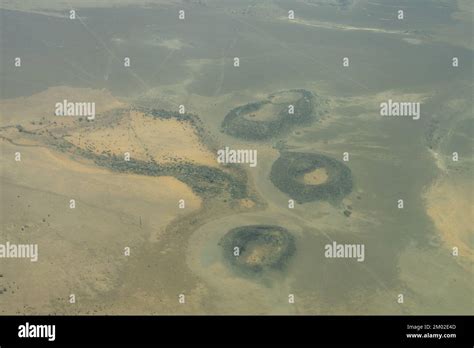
pixel 165 190
pixel 13 135
pixel 285 97
pixel 338 26
pixel 450 206
pixel 169 138
pixel 172 44
pixel 439 160
pixel 373 101
pixel 23 110
pixel 81 249
pixel 316 177
pixel 258 254
pixel 146 138
pixel 412 41
pixel 267 112
pixel 246 203
pixel 117 139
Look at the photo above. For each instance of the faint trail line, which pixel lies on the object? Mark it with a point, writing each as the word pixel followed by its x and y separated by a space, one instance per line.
pixel 220 83
pixel 139 140
pixel 111 53
pixel 160 66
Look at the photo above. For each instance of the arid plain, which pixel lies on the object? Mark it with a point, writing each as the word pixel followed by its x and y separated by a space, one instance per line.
pixel 153 205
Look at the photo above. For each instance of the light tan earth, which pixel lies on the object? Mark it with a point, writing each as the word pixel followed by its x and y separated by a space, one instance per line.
pixel 246 203
pixel 143 137
pixel 266 113
pixel 450 205
pixel 146 138
pixel 81 250
pixel 285 97
pixel 316 177
pixel 40 107
pixel 258 254
pixel 271 111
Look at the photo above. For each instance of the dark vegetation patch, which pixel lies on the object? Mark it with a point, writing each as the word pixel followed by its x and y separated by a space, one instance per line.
pixel 192 119
pixel 290 167
pixel 204 181
pixel 261 248
pixel 305 111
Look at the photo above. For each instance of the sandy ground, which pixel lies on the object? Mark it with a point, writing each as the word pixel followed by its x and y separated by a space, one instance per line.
pixel 81 250
pixel 285 97
pixel 450 205
pixel 267 112
pixel 316 177
pixel 41 106
pixel 146 138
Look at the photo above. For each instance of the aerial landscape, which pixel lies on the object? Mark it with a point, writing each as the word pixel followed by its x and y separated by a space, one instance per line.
pixel 307 157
